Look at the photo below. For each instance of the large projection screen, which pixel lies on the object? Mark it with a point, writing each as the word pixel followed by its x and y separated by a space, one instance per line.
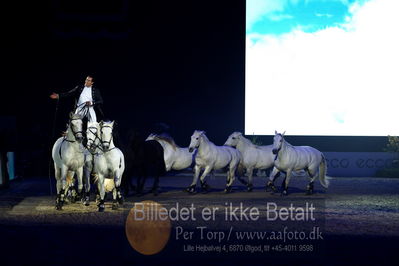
pixel 322 68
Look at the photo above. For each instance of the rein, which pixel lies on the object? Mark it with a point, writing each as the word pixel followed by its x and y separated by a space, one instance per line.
pixel 84 109
pixel 97 146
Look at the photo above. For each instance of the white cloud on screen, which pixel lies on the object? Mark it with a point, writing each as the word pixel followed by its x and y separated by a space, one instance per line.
pixel 342 80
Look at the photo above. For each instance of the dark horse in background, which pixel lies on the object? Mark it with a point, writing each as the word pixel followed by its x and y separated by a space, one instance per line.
pixel 144 159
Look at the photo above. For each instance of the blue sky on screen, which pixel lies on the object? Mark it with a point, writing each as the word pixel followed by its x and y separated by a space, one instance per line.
pixel 330 64
pixel 282 16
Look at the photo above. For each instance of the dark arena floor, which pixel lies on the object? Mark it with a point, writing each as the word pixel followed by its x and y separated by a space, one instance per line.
pixel 357 221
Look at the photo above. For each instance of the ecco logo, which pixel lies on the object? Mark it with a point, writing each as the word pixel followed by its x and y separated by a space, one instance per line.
pixel 338 163
pixel 360 163
pixel 373 163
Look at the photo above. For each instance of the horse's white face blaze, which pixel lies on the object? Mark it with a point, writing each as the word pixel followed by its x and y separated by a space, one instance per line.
pixel 195 140
pixel 277 143
pixel 76 125
pixel 233 139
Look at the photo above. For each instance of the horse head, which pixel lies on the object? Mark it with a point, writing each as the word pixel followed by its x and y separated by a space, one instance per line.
pixel 196 140
pixel 233 139
pixel 106 128
pixel 277 142
pixel 92 136
pixel 76 125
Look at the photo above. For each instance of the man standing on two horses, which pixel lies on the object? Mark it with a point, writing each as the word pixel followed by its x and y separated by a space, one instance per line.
pixel 88 99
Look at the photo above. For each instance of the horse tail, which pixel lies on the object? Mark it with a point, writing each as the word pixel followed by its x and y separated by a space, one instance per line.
pixel 69 179
pixel 240 169
pixel 324 179
pixel 109 184
pixel 95 180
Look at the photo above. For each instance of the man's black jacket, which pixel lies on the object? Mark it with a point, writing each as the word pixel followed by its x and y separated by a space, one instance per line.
pixel 95 93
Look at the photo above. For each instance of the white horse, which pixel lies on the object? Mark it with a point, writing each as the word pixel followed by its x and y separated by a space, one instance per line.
pixel 68 157
pixel 290 158
pixel 93 147
pixel 253 156
pixel 110 163
pixel 176 158
pixel 209 157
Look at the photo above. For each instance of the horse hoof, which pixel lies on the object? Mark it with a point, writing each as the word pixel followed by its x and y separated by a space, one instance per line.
pixel 120 201
pixel 309 192
pixel 250 188
pixel 101 208
pixel 191 189
pixel 284 193
pixel 205 187
pixel 271 186
pixel 115 206
pixel 227 189
pixel 86 201
pixel 58 204
pixel 243 181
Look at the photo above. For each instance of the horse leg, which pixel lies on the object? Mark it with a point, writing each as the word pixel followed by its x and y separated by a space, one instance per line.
pixel 240 173
pixel 58 178
pixel 101 190
pixel 204 186
pixel 86 196
pixel 230 179
pixel 191 188
pixel 250 185
pixel 118 184
pixel 79 175
pixel 61 183
pixel 312 177
pixel 70 191
pixel 141 178
pixel 114 201
pixel 155 186
pixel 285 183
pixel 116 192
pixel 270 183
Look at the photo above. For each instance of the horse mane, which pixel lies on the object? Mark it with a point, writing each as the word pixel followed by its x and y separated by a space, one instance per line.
pixel 168 139
pixel 202 133
pixel 286 142
pixel 75 116
pixel 247 141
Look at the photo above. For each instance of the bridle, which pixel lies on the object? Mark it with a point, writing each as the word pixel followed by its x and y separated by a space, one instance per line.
pixel 94 131
pixel 70 125
pixel 278 150
pixel 104 141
